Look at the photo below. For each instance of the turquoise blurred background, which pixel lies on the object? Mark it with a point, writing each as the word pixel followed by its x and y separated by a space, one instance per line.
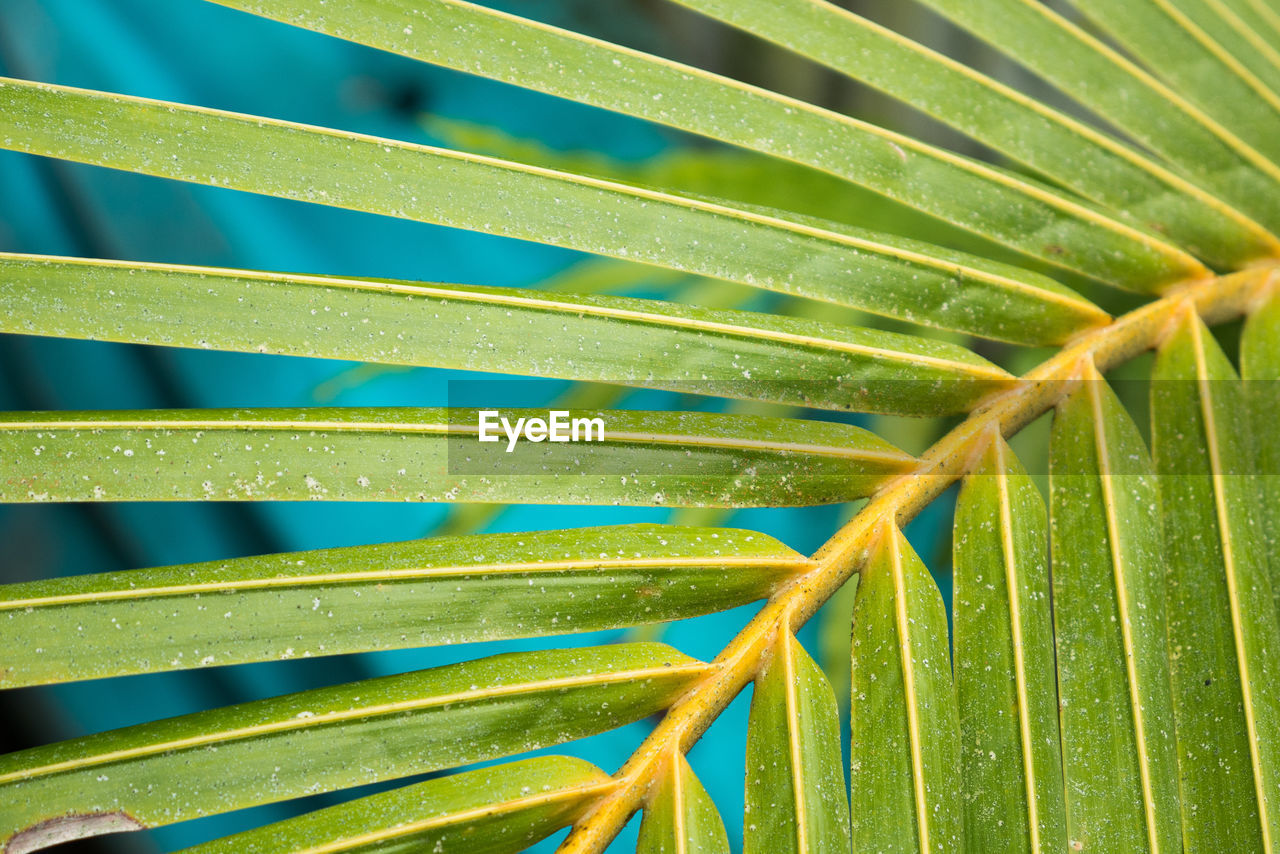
pixel 194 52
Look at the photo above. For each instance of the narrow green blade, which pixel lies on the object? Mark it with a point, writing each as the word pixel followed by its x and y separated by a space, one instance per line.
pixel 411 454
pixel 680 818
pixel 1128 96
pixel 1052 143
pixel 796 802
pixel 906 785
pixel 1119 751
pixel 1260 367
pixel 1011 753
pixel 1231 27
pixel 1171 44
pixel 1223 626
pixel 333 738
pixel 606 339
pixel 502 809
pixel 1016 213
pixel 883 274
pixel 446 590
pixel 1260 15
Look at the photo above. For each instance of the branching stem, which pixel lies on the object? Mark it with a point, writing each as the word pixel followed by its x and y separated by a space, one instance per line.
pixel 1216 300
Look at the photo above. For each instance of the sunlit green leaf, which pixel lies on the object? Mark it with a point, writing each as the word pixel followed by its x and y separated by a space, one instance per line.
pixel 804 256
pixel 1009 749
pixel 1262 16
pixel 502 809
pixel 1052 143
pixel 1127 95
pixel 411 454
pixel 1007 209
pixel 1166 40
pixel 1260 368
pixel 1223 628
pixel 1230 25
pixel 446 590
pixel 796 801
pixel 680 817
pixel 606 339
pixel 906 789
pixel 332 738
pixel 1119 752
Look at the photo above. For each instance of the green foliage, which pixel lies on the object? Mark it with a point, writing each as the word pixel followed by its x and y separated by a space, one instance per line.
pixel 607 339
pixel 1118 749
pixel 494 810
pixel 1113 686
pixel 1010 747
pixel 906 756
pixel 1220 617
pixel 318 740
pixel 681 816
pixel 795 786
pixel 444 590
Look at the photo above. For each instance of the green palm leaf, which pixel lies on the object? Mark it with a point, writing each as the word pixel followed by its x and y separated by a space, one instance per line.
pixel 1167 40
pixel 681 818
pixel 880 273
pixel 607 339
pixel 414 454
pixel 1119 758
pixel 906 756
pixel 1008 209
pixel 1116 695
pixel 332 738
pixel 1260 368
pixel 1128 96
pixel 497 810
pixel 1229 29
pixel 1010 752
pixel 795 784
pixel 445 590
pixel 1223 626
pixel 1050 142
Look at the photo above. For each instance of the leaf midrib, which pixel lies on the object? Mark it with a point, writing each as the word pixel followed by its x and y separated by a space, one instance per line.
pixel 794 564
pixel 1014 588
pixel 907 659
pixel 621 437
pixel 498 164
pixel 1058 202
pixel 358 713
pixel 462 817
pixel 794 748
pixel 678 800
pixel 1258 160
pixel 1092 378
pixel 1155 170
pixel 1229 566
pixel 539 304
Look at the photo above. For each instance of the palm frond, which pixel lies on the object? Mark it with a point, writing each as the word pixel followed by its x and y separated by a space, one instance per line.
pixel 1112 686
